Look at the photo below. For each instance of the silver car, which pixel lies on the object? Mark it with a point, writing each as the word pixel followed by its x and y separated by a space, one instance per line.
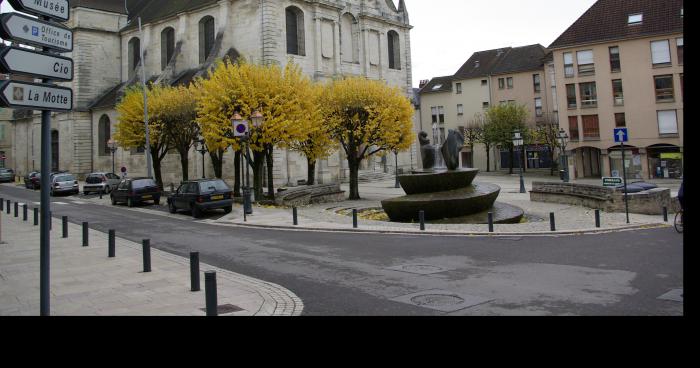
pixel 100 182
pixel 7 175
pixel 64 183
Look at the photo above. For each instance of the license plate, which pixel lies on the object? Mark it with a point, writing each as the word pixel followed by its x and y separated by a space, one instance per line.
pixel 216 197
pixel 147 196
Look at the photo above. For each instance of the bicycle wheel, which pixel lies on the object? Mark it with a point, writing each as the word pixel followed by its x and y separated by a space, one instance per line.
pixel 678 222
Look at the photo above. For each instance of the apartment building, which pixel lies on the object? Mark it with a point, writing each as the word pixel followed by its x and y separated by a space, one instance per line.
pixel 621 65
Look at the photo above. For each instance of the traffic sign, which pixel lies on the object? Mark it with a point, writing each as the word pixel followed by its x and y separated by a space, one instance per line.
pixel 17 94
pixel 611 181
pixel 621 135
pixel 56 9
pixel 22 61
pixel 25 29
pixel 240 128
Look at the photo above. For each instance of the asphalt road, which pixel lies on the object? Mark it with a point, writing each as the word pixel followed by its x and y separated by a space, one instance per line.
pixel 619 273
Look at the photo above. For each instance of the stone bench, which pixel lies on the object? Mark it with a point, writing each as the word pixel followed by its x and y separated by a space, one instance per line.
pixel 305 195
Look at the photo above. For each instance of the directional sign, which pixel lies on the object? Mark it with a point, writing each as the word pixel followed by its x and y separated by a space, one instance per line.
pixel 22 61
pixel 56 9
pixel 17 94
pixel 24 29
pixel 621 135
pixel 611 181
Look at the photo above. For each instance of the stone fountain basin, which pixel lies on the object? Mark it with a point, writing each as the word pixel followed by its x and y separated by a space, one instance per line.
pixel 439 205
pixel 429 181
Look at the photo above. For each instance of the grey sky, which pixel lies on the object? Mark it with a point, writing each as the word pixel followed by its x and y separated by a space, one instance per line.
pixel 447 32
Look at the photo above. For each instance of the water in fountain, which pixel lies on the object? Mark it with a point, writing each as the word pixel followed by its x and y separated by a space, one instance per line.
pixel 439 160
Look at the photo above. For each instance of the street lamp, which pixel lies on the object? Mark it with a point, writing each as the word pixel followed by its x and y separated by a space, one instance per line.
pixel 396 169
pixel 203 150
pixel 563 141
pixel 240 128
pixel 112 146
pixel 518 141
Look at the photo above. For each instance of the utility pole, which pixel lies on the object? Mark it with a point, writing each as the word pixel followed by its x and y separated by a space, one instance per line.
pixel 145 103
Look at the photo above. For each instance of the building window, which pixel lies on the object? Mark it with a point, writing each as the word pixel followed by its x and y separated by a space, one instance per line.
pixel 618 96
pixel 573 128
pixel 634 19
pixel 434 114
pixel 485 105
pixel 590 127
pixel 349 39
pixel 441 114
pixel 620 120
pixel 501 83
pixel 536 82
pixel 295 31
pixel 664 88
pixel 554 98
pixel 589 96
pixel 571 96
pixel 460 109
pixel 104 132
pixel 394 50
pixel 660 53
pixel 484 82
pixel 568 65
pixel 134 55
pixel 614 59
pixel 585 62
pixel 667 122
pixel 679 50
pixel 509 82
pixel 459 88
pixel 206 38
pixel 538 107
pixel 167 47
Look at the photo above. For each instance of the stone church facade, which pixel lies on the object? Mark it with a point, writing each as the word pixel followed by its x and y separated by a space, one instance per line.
pixel 181 40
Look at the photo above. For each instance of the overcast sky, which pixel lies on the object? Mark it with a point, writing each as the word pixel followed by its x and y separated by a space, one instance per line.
pixel 447 32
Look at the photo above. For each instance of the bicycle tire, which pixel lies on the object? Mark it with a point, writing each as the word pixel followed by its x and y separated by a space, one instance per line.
pixel 677 223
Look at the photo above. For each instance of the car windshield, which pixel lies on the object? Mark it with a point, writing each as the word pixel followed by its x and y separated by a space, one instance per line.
pixel 5 170
pixel 65 178
pixel 143 183
pixel 212 186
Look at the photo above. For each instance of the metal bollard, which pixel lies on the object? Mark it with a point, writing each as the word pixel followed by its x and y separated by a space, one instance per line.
pixel 146 255
pixel 24 212
pixel 354 218
pixel 665 214
pixel 8 206
pixel 597 218
pixel 552 225
pixel 490 222
pixel 36 216
pixel 421 217
pixel 111 251
pixel 64 219
pixel 194 271
pixel 50 221
pixel 294 216
pixel 85 234
pixel 2 203
pixel 210 291
pixel 16 209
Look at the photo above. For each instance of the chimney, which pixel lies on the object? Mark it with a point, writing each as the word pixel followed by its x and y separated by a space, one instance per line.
pixel 423 82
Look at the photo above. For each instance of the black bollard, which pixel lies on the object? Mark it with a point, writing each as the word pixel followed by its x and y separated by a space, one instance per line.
pixel 354 218
pixel 552 225
pixel 50 221
pixel 111 250
pixel 490 222
pixel 665 214
pixel 24 212
pixel 8 206
pixel 421 217
pixel 597 218
pixel 36 216
pixel 2 203
pixel 64 219
pixel 194 271
pixel 16 209
pixel 146 255
pixel 101 193
pixel 85 234
pixel 210 291
pixel 294 216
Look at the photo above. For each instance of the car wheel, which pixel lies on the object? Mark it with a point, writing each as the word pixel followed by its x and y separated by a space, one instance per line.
pixel 172 208
pixel 129 202
pixel 86 192
pixel 114 201
pixel 196 212
pixel 228 209
pixel 156 201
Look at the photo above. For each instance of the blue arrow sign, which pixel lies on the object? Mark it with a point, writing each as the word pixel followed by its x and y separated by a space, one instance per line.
pixel 621 135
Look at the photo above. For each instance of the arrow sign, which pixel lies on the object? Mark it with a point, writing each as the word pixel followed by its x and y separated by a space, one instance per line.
pixel 23 61
pixel 620 135
pixel 16 94
pixel 24 29
pixel 56 9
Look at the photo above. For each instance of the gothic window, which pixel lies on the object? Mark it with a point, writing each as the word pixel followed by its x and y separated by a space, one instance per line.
pixel 167 46
pixel 394 50
pixel 104 133
pixel 349 39
pixel 134 55
pixel 295 31
pixel 206 37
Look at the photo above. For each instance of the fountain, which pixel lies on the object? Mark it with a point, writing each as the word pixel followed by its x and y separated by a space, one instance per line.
pixel 447 193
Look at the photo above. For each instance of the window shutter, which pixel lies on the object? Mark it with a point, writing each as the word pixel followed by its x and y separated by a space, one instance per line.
pixel 584 57
pixel 568 58
pixel 679 41
pixel 660 52
pixel 667 122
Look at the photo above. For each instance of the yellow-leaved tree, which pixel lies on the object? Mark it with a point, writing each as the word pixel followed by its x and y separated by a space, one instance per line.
pixel 366 118
pixel 175 108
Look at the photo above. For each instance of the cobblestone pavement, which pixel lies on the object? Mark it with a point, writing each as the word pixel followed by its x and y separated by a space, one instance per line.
pixel 84 281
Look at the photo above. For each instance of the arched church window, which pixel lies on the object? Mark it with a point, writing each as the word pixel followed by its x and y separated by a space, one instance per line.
pixel 167 46
pixel 206 37
pixel 394 50
pixel 134 57
pixel 295 31
pixel 104 133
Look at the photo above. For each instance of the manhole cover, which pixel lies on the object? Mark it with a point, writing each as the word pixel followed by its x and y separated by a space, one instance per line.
pixel 675 295
pixel 419 269
pixel 225 309
pixel 441 300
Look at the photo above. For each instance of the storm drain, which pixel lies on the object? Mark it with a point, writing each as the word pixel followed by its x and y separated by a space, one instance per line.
pixel 419 269
pixel 675 295
pixel 225 309
pixel 441 300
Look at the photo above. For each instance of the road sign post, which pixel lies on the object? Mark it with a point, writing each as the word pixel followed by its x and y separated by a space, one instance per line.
pixel 621 136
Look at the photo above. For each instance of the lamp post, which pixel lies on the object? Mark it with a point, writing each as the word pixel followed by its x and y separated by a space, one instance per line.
pixel 240 129
pixel 112 146
pixel 203 150
pixel 563 141
pixel 396 169
pixel 518 141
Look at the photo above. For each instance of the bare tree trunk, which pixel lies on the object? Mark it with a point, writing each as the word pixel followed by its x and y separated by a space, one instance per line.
pixel 184 162
pixel 311 172
pixel 523 158
pixel 270 180
pixel 157 171
pixel 258 158
pixel 353 165
pixel 237 175
pixel 217 160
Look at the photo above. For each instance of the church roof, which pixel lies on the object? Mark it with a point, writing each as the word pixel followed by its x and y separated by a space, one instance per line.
pixel 152 10
pixel 114 6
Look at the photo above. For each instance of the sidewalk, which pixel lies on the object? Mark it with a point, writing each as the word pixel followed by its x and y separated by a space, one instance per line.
pixel 84 281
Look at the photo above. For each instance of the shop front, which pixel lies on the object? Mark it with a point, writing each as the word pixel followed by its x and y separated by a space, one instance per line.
pixel 665 162
pixel 633 162
pixel 538 157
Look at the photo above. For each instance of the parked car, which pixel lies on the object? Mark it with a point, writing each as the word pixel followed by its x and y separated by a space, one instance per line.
pixel 64 183
pixel 7 175
pixel 31 180
pixel 100 182
pixel 136 190
pixel 201 195
pixel 636 187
